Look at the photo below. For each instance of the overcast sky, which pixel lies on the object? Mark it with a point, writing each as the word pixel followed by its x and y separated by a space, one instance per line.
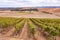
pixel 29 3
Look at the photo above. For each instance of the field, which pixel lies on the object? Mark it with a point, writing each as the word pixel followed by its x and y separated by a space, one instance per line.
pixel 29 28
pixel 43 24
pixel 28 14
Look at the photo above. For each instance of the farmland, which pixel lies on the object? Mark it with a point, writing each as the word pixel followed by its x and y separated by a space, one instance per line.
pixel 29 28
pixel 41 13
pixel 30 24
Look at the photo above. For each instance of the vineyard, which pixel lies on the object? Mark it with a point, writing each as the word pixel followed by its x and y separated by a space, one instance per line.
pixel 34 28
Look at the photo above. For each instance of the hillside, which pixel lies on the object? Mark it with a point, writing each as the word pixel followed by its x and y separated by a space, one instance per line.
pixel 51 10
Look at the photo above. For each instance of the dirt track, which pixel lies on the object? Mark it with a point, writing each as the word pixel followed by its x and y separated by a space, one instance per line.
pixel 38 35
pixel 24 35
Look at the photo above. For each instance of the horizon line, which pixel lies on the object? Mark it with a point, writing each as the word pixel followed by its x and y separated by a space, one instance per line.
pixel 35 7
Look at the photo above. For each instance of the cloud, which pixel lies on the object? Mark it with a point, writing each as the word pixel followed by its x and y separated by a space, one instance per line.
pixel 27 3
pixel 51 3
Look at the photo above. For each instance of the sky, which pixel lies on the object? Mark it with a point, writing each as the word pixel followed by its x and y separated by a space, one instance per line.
pixel 29 3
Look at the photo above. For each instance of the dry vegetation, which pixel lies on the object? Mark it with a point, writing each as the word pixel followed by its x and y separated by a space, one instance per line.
pixel 55 11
